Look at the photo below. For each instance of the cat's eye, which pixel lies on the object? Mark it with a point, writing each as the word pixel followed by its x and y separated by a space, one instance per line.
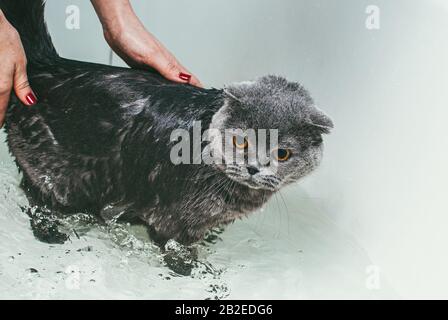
pixel 282 154
pixel 240 142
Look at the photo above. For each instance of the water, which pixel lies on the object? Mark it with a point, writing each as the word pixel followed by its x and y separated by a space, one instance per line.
pixel 286 251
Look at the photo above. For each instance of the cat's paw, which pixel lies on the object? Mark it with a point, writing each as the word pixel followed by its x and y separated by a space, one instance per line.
pixel 45 226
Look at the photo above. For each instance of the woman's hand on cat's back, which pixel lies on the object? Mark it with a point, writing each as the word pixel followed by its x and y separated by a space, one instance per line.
pixel 12 68
pixel 128 37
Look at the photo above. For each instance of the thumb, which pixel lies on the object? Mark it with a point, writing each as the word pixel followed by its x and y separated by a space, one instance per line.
pixel 22 86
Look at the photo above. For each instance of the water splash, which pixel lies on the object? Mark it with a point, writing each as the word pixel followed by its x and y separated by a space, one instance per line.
pixel 253 258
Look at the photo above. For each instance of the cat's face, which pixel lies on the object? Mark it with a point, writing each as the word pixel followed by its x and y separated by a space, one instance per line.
pixel 270 103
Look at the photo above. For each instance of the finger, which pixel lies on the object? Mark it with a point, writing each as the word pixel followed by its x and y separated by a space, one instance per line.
pixel 193 80
pixel 172 70
pixel 22 86
pixel 5 92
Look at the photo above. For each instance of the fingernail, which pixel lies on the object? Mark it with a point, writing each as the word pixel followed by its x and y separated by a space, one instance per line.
pixel 31 98
pixel 185 76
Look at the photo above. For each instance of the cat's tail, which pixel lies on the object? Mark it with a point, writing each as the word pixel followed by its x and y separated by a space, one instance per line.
pixel 27 16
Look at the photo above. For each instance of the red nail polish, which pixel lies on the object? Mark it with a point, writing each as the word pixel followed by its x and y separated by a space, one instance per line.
pixel 185 76
pixel 31 99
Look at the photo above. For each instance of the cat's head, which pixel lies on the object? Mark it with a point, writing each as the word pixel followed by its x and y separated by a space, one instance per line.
pixel 270 102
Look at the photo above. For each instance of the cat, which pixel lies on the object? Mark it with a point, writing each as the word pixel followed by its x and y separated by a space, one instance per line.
pixel 98 141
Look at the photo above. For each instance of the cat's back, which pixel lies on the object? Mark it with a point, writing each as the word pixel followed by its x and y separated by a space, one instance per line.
pixel 79 143
pixel 85 107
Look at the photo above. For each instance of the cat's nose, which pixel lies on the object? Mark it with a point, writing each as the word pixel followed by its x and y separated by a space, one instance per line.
pixel 252 170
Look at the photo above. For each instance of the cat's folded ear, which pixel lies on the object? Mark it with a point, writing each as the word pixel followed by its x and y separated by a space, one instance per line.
pixel 320 120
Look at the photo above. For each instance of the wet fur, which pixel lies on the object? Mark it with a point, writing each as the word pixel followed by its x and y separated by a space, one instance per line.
pixel 98 140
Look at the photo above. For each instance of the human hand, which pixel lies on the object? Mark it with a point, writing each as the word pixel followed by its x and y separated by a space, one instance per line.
pixel 12 68
pixel 127 36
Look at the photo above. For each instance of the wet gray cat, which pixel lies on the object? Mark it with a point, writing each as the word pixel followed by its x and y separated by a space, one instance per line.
pixel 98 140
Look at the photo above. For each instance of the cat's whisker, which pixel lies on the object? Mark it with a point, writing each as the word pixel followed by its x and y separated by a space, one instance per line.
pixel 216 185
pixel 279 211
pixel 228 182
pixel 287 210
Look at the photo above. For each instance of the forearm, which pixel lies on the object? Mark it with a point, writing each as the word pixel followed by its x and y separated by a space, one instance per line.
pixel 113 14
